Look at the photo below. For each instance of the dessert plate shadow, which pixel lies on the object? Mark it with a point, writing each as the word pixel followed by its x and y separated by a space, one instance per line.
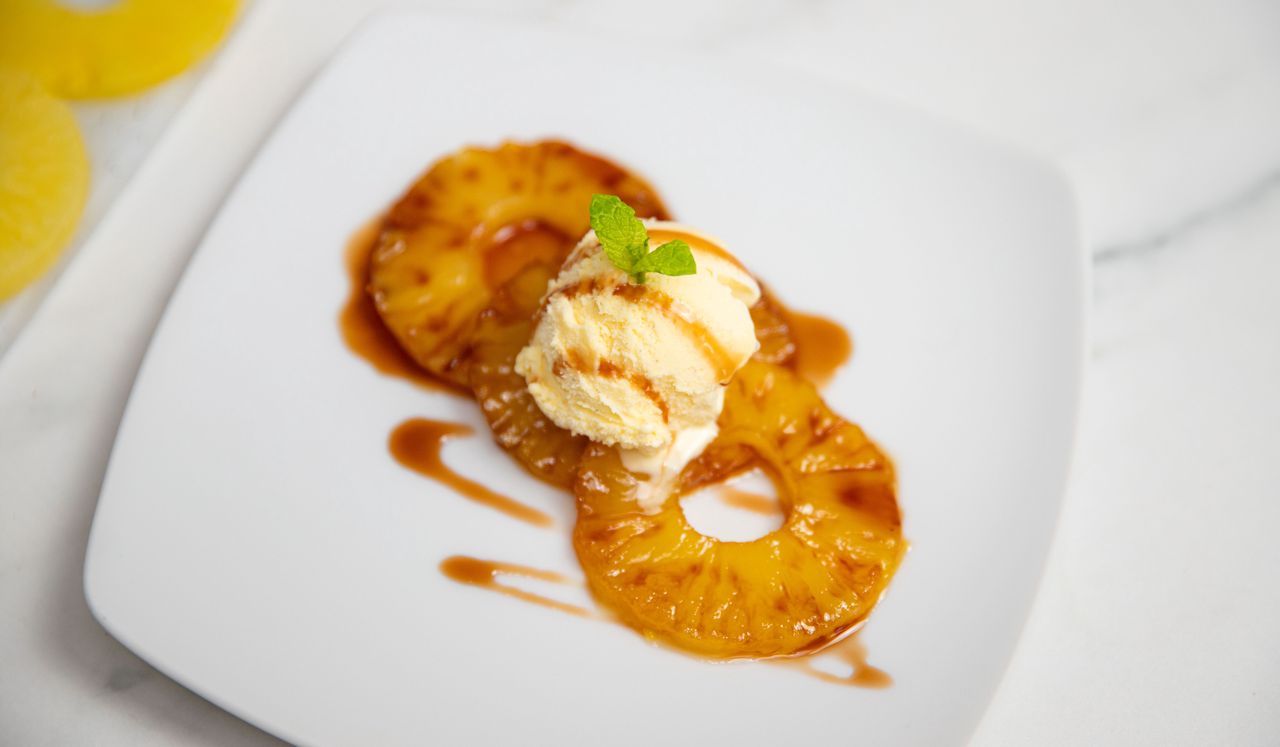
pixel 255 541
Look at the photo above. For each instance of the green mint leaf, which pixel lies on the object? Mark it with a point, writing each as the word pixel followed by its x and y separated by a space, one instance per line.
pixel 626 242
pixel 620 232
pixel 672 258
pixel 619 256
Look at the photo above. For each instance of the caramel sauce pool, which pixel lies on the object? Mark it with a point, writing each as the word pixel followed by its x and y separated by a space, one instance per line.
pixel 822 346
pixel 417 443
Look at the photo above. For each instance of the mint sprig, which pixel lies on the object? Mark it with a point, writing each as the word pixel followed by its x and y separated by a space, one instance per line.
pixel 626 242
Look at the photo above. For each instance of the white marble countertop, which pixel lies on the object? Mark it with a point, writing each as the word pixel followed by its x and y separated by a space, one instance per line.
pixel 1157 616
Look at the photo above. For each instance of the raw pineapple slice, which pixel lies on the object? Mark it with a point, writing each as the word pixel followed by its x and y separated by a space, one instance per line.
pixel 122 48
pixel 788 592
pixel 44 178
pixel 473 222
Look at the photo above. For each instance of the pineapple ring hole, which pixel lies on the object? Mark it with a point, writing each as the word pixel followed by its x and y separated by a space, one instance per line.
pixel 512 247
pixel 741 509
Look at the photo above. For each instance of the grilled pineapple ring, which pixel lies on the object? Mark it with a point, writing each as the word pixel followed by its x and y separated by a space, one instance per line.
pixel 788 592
pixel 474 221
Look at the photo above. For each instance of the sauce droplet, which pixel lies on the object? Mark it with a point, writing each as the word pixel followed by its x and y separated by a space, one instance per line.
pixel 362 329
pixel 417 443
pixel 486 574
pixel 822 346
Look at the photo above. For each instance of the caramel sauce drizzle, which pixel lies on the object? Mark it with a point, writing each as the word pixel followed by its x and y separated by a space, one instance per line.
pixel 486 574
pixel 851 651
pixel 416 443
pixel 659 236
pixel 640 382
pixel 748 501
pixel 721 361
pixel 577 361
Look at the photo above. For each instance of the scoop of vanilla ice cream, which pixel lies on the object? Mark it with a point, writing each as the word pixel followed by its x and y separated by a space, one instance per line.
pixel 643 367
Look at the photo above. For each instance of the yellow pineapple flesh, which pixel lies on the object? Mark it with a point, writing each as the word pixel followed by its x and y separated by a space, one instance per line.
pixel 121 48
pixel 44 179
pixel 788 592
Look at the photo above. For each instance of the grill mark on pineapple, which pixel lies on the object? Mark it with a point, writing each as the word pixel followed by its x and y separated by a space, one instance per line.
pixel 876 501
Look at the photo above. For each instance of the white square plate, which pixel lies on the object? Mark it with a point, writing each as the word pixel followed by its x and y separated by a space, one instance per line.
pixel 255 541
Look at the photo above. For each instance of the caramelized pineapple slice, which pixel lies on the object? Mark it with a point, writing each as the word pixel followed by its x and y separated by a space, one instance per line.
pixel 44 179
pixel 777 343
pixel 788 592
pixel 547 451
pixel 473 222
pixel 121 48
